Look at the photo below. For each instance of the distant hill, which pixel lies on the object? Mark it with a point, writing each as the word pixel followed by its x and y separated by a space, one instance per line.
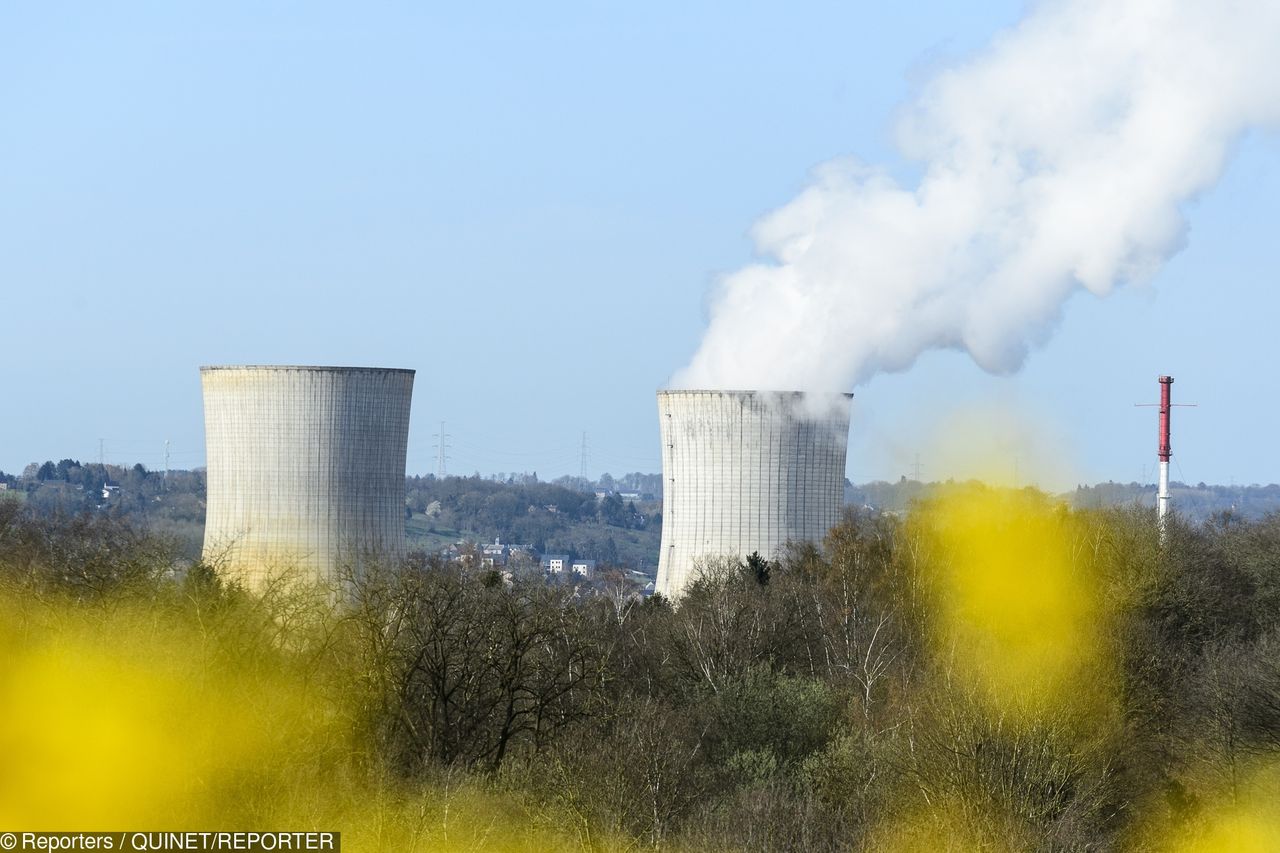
pixel 1196 503
pixel 563 517
pixel 615 521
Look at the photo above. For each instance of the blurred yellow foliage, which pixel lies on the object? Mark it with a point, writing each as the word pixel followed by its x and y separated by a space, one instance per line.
pixel 1244 819
pixel 1017 615
pixel 121 718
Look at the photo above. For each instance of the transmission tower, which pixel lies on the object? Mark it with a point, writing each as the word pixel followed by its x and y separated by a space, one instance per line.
pixel 442 448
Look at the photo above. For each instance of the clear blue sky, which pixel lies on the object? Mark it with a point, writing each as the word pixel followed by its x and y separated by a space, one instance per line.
pixel 527 203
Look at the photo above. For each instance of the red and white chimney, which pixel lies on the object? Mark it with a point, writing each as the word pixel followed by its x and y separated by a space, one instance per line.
pixel 1165 451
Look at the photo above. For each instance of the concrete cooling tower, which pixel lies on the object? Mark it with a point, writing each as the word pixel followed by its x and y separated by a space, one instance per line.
pixel 305 468
pixel 746 471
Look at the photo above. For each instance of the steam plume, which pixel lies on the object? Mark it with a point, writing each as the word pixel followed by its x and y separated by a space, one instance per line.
pixel 1056 158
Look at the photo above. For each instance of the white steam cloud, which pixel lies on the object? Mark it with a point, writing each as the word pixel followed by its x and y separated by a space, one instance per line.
pixel 1056 158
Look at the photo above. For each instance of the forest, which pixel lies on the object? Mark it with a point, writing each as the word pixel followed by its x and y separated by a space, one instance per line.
pixel 990 670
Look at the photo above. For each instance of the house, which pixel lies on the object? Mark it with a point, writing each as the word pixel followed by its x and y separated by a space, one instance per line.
pixel 556 564
pixel 463 551
pixel 586 568
pixel 495 554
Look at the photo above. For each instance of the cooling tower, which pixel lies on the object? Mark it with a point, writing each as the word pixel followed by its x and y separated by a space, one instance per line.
pixel 305 468
pixel 746 471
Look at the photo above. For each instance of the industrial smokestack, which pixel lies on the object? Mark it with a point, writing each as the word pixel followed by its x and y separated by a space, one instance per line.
pixel 305 468
pixel 746 471
pixel 1165 450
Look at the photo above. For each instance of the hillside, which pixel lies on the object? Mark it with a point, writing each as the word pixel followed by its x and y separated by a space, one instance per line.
pixel 542 517
pixel 1195 503
pixel 616 521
